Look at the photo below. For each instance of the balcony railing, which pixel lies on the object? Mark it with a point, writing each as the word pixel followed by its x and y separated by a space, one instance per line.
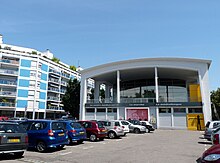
pixel 53 89
pixel 62 91
pixel 137 100
pixel 7 93
pixel 55 108
pixel 2 71
pixel 65 75
pixel 53 98
pixel 9 61
pixel 55 72
pixel 7 104
pixel 54 80
pixel 8 82
pixel 63 83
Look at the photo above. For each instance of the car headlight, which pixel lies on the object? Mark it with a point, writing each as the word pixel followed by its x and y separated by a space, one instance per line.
pixel 212 157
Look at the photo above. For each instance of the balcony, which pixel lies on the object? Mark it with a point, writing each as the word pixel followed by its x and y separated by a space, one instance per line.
pixel 63 91
pixel 55 108
pixel 8 82
pixel 8 72
pixel 123 100
pixel 7 104
pixel 54 72
pixel 63 83
pixel 65 75
pixel 9 62
pixel 7 93
pixel 54 80
pixel 56 90
pixel 52 98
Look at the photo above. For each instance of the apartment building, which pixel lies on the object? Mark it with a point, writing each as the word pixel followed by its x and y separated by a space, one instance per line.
pixel 31 84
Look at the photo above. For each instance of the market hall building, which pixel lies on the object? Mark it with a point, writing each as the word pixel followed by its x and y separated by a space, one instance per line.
pixel 175 91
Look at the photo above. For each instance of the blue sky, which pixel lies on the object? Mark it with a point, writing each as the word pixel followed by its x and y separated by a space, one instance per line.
pixel 94 32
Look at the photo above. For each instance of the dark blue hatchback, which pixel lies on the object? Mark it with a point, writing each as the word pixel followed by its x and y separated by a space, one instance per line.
pixel 75 131
pixel 44 134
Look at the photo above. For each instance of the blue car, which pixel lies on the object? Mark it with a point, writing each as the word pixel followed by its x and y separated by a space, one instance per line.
pixel 44 134
pixel 76 133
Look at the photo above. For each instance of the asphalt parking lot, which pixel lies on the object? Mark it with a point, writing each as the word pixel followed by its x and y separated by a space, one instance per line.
pixel 169 146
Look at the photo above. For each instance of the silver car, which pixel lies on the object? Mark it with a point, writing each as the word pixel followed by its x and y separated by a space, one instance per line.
pixel 114 128
pixel 13 139
pixel 209 128
pixel 136 128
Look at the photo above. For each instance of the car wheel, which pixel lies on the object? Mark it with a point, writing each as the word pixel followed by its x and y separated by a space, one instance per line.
pixel 79 141
pixel 136 130
pixel 41 146
pixel 125 134
pixel 18 154
pixel 111 135
pixel 60 147
pixel 93 137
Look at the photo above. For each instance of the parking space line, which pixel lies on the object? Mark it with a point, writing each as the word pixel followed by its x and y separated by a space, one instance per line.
pixel 62 154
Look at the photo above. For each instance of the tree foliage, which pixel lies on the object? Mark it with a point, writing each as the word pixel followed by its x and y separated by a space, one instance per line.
pixel 73 68
pixel 54 59
pixel 71 99
pixel 215 98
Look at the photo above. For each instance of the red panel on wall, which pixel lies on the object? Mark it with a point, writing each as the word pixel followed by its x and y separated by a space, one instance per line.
pixel 137 114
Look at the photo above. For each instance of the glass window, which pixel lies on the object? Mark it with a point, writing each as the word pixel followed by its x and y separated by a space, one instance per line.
pixel 90 110
pixel 75 125
pixel 11 128
pixel 164 110
pixel 124 123
pixel 101 110
pixel 100 125
pixel 195 110
pixel 58 126
pixel 115 110
pixel 179 110
pixel 117 124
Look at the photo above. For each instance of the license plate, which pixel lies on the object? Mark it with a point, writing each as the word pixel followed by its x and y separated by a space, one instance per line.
pixel 14 140
pixel 103 130
pixel 61 134
pixel 81 133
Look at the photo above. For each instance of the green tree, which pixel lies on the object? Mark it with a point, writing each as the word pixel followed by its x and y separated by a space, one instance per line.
pixel 73 68
pixel 102 93
pixel 71 99
pixel 54 59
pixel 215 99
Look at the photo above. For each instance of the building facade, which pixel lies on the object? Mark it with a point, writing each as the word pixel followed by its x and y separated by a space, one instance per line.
pixel 173 91
pixel 31 84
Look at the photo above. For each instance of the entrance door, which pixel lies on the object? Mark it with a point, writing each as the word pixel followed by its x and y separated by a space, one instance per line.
pixel 137 113
pixel 165 117
pixel 179 117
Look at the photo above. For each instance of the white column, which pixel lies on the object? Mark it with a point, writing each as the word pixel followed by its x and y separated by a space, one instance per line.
pixel 118 113
pixel 96 91
pixel 156 85
pixel 118 86
pixel 205 93
pixel 95 113
pixel 83 98
pixel 106 113
pixel 172 119
pixel 158 117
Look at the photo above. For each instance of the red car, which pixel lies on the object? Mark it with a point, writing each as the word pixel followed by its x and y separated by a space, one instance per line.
pixel 211 155
pixel 94 130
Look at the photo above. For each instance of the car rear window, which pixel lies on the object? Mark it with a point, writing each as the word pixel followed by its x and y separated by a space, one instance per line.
pixel 75 125
pixel 216 124
pixel 124 123
pixel 207 124
pixel 100 125
pixel 11 128
pixel 58 126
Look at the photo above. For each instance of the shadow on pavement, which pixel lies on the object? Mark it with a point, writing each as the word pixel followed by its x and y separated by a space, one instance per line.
pixel 205 143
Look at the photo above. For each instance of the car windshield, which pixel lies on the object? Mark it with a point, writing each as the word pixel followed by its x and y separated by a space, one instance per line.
pixel 100 125
pixel 75 125
pixel 106 123
pixel 11 128
pixel 124 123
pixel 136 122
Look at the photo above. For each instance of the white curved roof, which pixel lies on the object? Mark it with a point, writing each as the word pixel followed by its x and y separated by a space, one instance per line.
pixel 178 63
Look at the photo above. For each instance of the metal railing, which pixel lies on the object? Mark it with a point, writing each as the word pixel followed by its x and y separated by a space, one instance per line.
pixel 55 108
pixel 8 82
pixel 54 80
pixel 63 83
pixel 55 72
pixel 137 100
pixel 65 75
pixel 53 98
pixel 7 93
pixel 7 104
pixel 2 71
pixel 9 61
pixel 53 89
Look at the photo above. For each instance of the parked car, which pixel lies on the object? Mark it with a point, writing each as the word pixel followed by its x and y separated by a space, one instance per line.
pixel 215 136
pixel 75 131
pixel 45 134
pixel 18 118
pixel 13 139
pixel 114 128
pixel 209 127
pixel 94 130
pixel 125 126
pixel 211 155
pixel 3 118
pixel 148 125
pixel 136 128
